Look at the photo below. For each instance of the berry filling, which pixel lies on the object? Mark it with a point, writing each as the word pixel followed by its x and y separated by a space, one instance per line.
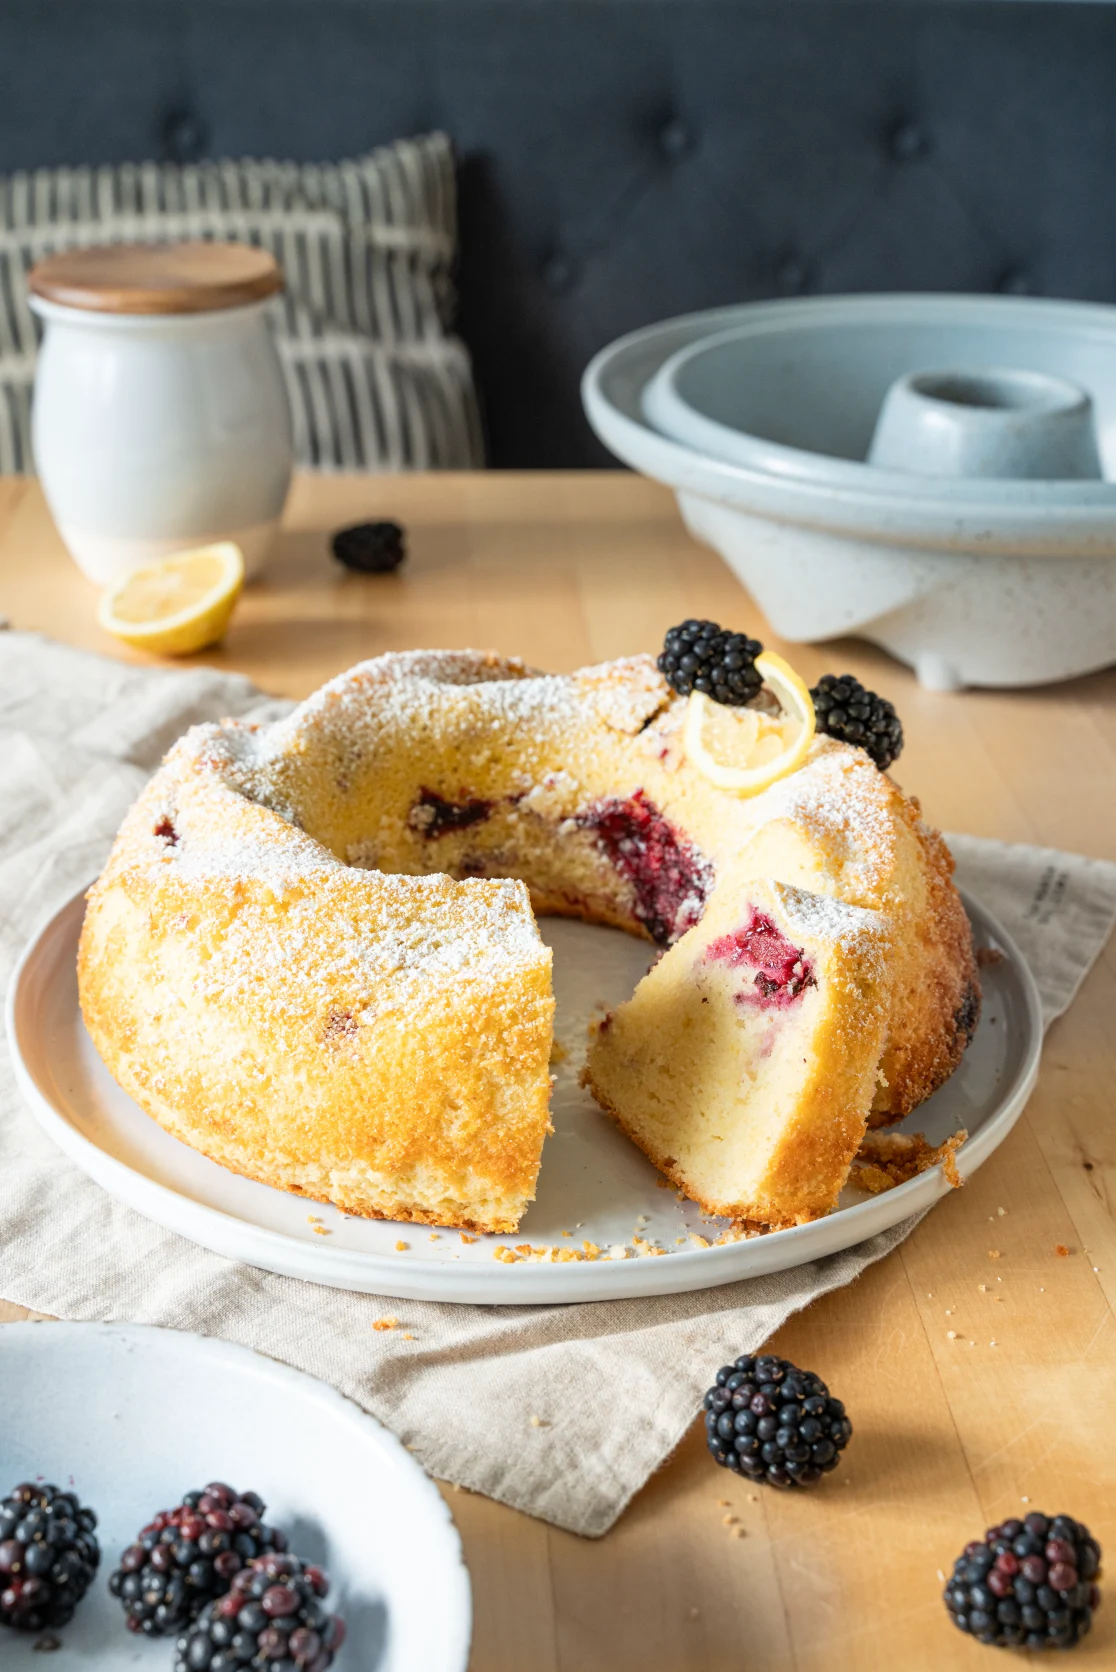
pixel 783 972
pixel 672 880
pixel 166 829
pixel 432 815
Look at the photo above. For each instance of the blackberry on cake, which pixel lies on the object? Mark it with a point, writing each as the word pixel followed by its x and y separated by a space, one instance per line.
pixel 845 710
pixel 48 1556
pixel 188 1556
pixel 370 548
pixel 769 1421
pixel 271 1618
pixel 1029 1584
pixel 701 656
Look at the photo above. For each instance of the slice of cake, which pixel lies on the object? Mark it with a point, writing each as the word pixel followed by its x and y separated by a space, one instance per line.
pixel 745 1062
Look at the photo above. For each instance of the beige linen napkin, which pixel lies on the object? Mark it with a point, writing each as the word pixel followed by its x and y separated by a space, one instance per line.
pixel 78 736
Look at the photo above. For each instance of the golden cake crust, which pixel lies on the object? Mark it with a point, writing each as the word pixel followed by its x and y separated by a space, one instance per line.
pixel 312 955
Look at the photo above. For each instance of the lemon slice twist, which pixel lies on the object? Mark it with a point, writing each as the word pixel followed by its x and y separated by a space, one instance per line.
pixel 743 750
pixel 177 605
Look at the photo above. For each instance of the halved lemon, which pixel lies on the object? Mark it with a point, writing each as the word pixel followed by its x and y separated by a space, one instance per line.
pixel 746 749
pixel 178 604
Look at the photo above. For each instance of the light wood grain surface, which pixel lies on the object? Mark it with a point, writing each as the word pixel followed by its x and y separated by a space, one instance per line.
pixel 949 1434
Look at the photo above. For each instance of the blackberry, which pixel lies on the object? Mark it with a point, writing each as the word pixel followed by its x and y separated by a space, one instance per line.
pixel 1027 1584
pixel 846 710
pixel 767 1420
pixel 189 1555
pixel 272 1618
pixel 371 548
pixel 700 656
pixel 48 1556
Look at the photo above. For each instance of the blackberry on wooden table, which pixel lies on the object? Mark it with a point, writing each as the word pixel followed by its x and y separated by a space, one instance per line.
pixel 845 710
pixel 48 1556
pixel 769 1421
pixel 272 1619
pixel 187 1556
pixel 1027 1584
pixel 371 548
pixel 701 656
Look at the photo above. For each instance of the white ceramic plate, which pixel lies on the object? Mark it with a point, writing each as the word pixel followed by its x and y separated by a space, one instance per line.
pixel 595 1186
pixel 132 1417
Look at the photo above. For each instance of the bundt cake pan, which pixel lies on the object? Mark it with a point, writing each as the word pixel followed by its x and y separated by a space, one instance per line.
pixel 761 417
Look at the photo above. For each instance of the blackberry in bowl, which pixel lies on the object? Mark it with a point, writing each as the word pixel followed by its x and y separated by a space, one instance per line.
pixel 188 1556
pixel 271 1619
pixel 1027 1584
pixel 769 1421
pixel 48 1556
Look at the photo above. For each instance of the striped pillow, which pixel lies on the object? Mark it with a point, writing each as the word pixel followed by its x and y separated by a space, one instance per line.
pixel 376 380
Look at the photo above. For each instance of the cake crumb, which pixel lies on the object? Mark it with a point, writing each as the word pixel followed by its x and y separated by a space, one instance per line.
pixel 698 1240
pixel 982 1288
pixel 729 1520
pixel 951 1334
pixel 1024 1500
pixel 592 1252
pixel 407 1336
pixel 987 956
pixel 402 1247
pixel 1061 1250
pixel 754 1499
pixel 558 1052
pixel 390 1322
pixel 724 1503
pixel 993 1253
pixel 433 1237
pixel 662 1184
pixel 322 1231
pixel 508 1255
pixel 313 1219
pixel 1001 1212
pixel 618 1251
pixel 567 1233
pixel 886 1159
pixel 465 1237
pixel 739 1532
pixel 539 1422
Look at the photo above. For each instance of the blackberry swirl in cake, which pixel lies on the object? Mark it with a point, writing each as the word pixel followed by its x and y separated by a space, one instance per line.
pixel 313 954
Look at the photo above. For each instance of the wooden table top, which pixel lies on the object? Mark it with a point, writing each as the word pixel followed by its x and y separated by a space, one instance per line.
pixel 950 1435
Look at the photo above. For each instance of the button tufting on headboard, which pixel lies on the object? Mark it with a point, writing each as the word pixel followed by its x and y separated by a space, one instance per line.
pixel 559 273
pixel 184 137
pixel 908 142
pixel 675 139
pixel 1015 282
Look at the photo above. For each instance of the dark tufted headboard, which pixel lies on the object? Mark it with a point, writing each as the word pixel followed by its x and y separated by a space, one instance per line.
pixel 622 160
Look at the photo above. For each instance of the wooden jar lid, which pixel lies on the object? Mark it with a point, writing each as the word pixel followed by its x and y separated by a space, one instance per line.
pixel 195 277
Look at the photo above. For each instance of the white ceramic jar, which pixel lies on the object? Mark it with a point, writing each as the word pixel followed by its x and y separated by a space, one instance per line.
pixel 160 418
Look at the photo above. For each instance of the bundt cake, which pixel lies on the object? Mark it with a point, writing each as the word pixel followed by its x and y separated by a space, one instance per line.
pixel 312 954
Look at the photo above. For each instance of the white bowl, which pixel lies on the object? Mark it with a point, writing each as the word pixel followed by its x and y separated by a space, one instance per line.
pixel 761 417
pixel 131 1417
